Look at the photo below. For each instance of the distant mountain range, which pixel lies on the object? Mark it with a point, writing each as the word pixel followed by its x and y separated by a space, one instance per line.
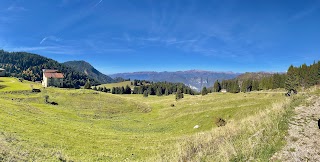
pixel 196 79
pixel 89 70
pixel 29 66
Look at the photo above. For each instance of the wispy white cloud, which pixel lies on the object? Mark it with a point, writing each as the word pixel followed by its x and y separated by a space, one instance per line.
pixel 16 8
pixel 64 50
pixel 35 48
pixel 52 38
pixel 97 4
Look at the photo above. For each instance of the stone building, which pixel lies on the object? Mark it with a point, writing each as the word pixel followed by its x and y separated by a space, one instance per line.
pixel 52 78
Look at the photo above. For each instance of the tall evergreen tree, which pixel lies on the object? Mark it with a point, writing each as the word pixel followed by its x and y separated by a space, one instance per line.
pixel 122 90
pixel 104 89
pixel 87 85
pixel 166 92
pixel 159 92
pixel 204 91
pixel 127 90
pixel 216 86
pixel 145 93
pixel 179 94
pixel 292 80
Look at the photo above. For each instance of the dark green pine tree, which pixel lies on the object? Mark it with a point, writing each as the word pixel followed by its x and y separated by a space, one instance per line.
pixel 304 77
pixel 145 93
pixel 234 87
pixel 292 80
pixel 135 83
pixel 159 91
pixel 166 92
pixel 87 85
pixel 179 94
pixel 113 91
pixel 151 90
pixel 216 86
pixel 135 90
pixel 122 90
pixel 104 89
pixel 255 85
pixel 127 90
pixel 313 74
pixel 204 91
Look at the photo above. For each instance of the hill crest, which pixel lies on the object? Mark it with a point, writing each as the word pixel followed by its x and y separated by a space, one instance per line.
pixel 88 69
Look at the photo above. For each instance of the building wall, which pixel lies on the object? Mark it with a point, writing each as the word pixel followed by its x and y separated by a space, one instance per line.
pixel 56 82
pixel 3 73
pixel 44 82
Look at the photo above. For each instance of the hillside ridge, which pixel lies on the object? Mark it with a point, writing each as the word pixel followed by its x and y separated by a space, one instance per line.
pixel 88 69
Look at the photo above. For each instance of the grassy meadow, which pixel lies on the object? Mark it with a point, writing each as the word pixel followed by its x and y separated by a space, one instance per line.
pixel 88 125
pixel 120 84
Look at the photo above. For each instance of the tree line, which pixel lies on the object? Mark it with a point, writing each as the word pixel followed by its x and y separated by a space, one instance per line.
pixel 302 76
pixel 151 88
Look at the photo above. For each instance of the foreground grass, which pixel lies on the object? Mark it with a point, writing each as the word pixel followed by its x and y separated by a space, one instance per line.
pixel 13 84
pixel 93 126
pixel 255 138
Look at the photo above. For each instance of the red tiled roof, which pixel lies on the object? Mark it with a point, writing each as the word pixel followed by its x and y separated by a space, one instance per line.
pixel 53 75
pixel 49 71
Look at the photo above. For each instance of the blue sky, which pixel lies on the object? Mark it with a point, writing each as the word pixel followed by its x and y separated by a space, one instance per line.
pixel 167 35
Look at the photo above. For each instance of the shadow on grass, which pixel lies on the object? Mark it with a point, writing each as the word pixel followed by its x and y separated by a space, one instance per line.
pixel 2 86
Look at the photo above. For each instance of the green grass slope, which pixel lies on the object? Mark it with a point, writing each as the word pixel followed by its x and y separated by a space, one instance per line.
pixel 91 126
pixel 120 84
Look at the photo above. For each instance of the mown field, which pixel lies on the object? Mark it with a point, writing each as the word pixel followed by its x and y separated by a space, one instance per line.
pixel 91 126
pixel 120 84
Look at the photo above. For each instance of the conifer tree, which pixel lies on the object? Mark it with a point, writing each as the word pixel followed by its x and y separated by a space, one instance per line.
pixel 179 94
pixel 87 85
pixel 159 92
pixel 166 92
pixel 292 81
pixel 204 91
pixel 122 91
pixel 216 86
pixel 145 93
pixel 127 90
pixel 104 89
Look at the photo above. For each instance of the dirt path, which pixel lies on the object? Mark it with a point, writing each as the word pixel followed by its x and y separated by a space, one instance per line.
pixel 303 140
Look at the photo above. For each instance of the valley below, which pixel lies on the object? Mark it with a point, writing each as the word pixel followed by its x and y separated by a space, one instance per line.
pixel 87 125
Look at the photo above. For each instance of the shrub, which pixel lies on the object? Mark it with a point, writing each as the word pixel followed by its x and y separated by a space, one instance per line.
pixel 220 122
pixel 145 93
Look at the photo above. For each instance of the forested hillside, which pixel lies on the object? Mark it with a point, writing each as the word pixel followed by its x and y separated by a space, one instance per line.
pixel 85 67
pixel 303 76
pixel 29 66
